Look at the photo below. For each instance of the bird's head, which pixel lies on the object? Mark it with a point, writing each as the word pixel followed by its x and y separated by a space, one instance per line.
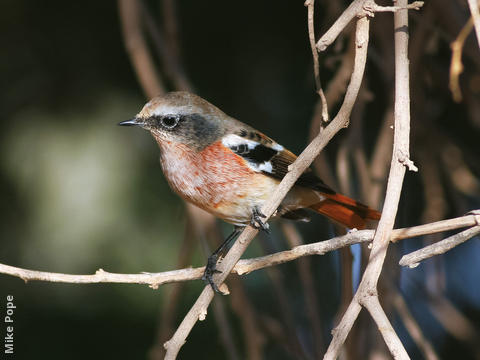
pixel 181 117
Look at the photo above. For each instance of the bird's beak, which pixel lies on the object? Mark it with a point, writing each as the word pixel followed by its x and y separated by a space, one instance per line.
pixel 132 122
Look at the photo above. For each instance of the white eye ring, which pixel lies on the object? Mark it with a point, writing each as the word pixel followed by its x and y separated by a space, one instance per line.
pixel 169 121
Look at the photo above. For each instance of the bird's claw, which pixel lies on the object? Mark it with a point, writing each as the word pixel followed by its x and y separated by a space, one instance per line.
pixel 210 270
pixel 257 222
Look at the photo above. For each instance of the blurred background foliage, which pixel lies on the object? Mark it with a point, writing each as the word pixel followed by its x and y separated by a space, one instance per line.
pixel 79 193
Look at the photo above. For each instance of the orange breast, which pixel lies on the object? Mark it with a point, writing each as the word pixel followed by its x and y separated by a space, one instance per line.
pixel 215 179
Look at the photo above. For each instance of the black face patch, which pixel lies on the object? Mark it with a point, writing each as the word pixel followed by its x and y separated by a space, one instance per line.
pixel 194 130
pixel 202 128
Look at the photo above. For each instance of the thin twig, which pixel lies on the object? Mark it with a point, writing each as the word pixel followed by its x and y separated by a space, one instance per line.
pixel 372 304
pixel 310 4
pixel 341 23
pixel 373 7
pixel 469 220
pixel 334 91
pixel 358 8
pixel 413 259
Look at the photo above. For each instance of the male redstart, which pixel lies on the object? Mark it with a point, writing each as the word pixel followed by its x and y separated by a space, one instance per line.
pixel 230 169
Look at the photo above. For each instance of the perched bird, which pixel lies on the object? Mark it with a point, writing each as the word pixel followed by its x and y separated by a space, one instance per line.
pixel 230 169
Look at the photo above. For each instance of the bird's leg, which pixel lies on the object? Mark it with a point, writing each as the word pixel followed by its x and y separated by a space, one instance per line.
pixel 211 267
pixel 257 222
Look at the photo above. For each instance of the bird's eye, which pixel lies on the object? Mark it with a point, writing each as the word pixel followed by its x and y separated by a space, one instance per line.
pixel 169 121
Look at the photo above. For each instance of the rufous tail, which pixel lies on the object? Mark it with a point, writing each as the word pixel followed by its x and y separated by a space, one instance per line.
pixel 346 211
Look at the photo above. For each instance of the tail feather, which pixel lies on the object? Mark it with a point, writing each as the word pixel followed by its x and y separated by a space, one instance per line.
pixel 346 211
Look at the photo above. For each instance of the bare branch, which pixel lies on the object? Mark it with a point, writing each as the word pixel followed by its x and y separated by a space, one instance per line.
pixel 371 6
pixel 413 259
pixel 469 220
pixel 341 23
pixel 372 304
pixel 310 4
pixel 153 280
pixel 358 8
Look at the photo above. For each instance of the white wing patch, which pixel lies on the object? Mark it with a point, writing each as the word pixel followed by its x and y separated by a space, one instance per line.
pixel 235 140
pixel 248 148
pixel 232 140
pixel 266 166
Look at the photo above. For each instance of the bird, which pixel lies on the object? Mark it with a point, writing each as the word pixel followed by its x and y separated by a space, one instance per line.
pixel 230 169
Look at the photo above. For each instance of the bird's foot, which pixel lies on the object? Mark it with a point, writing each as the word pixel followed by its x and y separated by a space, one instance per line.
pixel 257 222
pixel 210 270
